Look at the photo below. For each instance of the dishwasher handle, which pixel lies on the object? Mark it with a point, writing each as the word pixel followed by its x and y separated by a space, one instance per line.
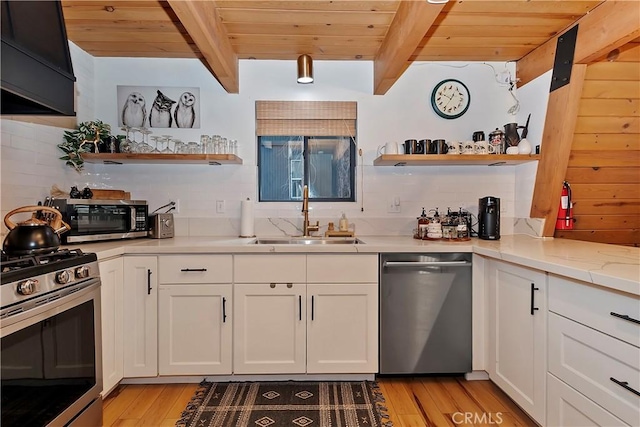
pixel 412 264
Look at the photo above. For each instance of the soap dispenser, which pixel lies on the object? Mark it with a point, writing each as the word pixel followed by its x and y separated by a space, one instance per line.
pixel 344 223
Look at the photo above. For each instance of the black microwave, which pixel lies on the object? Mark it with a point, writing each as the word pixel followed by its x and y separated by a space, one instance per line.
pixel 93 220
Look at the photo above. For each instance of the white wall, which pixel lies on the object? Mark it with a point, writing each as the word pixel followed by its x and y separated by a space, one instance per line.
pixel 404 112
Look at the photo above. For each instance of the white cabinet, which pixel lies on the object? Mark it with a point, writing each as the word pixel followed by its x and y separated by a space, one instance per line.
pixel 328 325
pixel 269 328
pixel 112 276
pixel 195 325
pixel 194 329
pixel 517 338
pixel 342 328
pixel 140 316
pixel 568 408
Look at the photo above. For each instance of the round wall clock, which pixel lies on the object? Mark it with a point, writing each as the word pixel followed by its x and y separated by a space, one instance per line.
pixel 450 99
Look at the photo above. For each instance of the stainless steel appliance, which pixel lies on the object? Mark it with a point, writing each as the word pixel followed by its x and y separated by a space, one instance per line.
pixel 489 218
pixel 161 226
pixel 50 340
pixel 425 313
pixel 92 220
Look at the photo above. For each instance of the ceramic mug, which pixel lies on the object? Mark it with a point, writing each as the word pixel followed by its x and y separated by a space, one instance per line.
pixel 453 147
pixel 480 147
pixel 468 147
pixel 388 148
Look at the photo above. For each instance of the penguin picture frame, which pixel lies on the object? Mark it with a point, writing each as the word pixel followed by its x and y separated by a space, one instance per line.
pixel 158 107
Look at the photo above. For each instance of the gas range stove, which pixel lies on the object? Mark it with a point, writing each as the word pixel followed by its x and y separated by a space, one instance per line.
pixel 39 278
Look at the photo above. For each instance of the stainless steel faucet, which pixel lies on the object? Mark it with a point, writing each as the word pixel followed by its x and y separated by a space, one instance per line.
pixel 306 227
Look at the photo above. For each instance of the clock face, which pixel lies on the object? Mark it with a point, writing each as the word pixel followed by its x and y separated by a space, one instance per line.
pixel 450 99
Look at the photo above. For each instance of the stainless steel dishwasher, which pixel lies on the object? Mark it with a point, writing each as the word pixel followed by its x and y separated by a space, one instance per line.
pixel 425 313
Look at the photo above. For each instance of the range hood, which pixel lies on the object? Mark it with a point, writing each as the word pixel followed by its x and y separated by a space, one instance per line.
pixel 36 71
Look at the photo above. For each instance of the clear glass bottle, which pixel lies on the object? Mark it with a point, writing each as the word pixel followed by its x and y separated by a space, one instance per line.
pixel 423 222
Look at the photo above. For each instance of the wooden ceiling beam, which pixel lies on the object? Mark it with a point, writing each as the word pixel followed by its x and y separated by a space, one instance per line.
pixel 607 27
pixel 203 24
pixel 557 137
pixel 410 24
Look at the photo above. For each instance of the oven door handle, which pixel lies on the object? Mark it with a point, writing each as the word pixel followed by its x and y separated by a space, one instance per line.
pixel 132 213
pixel 149 282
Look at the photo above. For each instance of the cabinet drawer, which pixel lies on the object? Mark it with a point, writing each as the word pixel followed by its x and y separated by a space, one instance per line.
pixel 270 268
pixel 568 408
pixel 587 359
pixel 195 269
pixel 342 269
pixel 592 306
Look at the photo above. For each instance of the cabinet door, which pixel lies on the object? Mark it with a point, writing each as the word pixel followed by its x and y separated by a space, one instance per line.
pixel 194 329
pixel 269 328
pixel 342 328
pixel 140 316
pixel 112 276
pixel 517 338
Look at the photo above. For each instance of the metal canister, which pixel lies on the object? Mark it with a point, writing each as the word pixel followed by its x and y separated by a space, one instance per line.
pixel 497 142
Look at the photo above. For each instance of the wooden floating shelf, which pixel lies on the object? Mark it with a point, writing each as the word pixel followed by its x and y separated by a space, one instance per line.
pixel 157 158
pixel 453 159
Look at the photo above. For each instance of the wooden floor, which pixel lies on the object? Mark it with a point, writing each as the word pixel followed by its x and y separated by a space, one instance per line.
pixel 411 402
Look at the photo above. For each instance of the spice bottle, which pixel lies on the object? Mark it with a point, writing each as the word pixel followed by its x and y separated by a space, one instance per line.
pixel 423 222
pixel 344 223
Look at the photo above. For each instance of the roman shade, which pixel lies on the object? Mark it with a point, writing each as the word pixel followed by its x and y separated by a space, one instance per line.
pixel 306 118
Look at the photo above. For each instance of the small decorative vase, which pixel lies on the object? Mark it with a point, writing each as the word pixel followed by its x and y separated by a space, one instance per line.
pixel 524 147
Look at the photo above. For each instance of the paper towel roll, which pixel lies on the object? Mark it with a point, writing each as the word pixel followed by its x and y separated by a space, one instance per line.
pixel 246 219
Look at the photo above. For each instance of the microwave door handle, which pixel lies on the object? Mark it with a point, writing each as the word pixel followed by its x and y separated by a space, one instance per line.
pixel 132 212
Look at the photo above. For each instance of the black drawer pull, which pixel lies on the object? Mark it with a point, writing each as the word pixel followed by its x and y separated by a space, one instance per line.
pixel 149 282
pixel 300 307
pixel 625 385
pixel 224 309
pixel 625 317
pixel 312 307
pixel 194 269
pixel 533 307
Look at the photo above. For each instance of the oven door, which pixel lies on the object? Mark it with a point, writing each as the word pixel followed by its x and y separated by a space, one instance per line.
pixel 51 361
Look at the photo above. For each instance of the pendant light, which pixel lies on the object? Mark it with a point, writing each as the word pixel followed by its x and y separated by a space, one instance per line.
pixel 305 69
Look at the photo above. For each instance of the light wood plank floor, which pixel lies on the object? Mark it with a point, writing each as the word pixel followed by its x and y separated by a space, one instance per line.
pixel 412 402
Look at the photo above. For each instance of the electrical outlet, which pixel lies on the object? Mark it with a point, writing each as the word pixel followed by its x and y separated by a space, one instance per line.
pixel 394 205
pixel 220 206
pixel 176 206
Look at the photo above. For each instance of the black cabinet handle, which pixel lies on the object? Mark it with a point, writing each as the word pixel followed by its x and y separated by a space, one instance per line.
pixel 625 385
pixel 149 282
pixel 312 307
pixel 625 317
pixel 224 310
pixel 533 289
pixel 194 269
pixel 299 307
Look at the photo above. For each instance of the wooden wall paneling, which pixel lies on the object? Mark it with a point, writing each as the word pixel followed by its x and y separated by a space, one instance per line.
pixel 610 175
pixel 617 237
pixel 609 107
pixel 607 207
pixel 616 221
pixel 605 191
pixel 606 141
pixel 558 133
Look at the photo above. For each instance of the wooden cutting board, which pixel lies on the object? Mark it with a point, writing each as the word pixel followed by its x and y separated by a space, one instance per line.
pixel 100 194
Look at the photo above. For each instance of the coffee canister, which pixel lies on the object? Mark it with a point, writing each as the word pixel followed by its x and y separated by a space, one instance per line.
pixel 496 142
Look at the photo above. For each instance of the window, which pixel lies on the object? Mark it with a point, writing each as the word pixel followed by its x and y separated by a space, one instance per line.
pixel 306 143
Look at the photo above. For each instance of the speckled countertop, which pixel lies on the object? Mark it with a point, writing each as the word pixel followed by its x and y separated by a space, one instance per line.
pixel 613 266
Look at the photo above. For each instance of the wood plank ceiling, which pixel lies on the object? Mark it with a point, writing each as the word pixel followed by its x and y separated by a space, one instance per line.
pixel 463 30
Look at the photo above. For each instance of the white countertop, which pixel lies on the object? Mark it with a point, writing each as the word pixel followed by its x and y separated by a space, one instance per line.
pixel 613 266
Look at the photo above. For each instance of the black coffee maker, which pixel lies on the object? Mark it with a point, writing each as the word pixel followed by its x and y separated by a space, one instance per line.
pixel 489 218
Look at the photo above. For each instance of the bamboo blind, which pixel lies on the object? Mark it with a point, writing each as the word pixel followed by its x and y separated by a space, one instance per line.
pixel 306 118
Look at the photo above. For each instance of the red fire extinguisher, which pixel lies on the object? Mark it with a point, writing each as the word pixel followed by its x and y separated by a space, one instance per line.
pixel 564 221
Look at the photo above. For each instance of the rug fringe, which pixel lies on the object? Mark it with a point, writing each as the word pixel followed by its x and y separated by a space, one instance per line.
pixel 193 404
pixel 379 404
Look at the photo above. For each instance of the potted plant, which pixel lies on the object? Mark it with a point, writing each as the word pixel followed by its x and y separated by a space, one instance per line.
pixel 85 139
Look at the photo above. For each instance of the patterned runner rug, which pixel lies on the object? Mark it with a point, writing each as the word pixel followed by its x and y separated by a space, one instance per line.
pixel 283 404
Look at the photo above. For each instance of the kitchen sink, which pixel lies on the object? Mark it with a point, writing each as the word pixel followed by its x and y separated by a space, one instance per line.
pixel 309 241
